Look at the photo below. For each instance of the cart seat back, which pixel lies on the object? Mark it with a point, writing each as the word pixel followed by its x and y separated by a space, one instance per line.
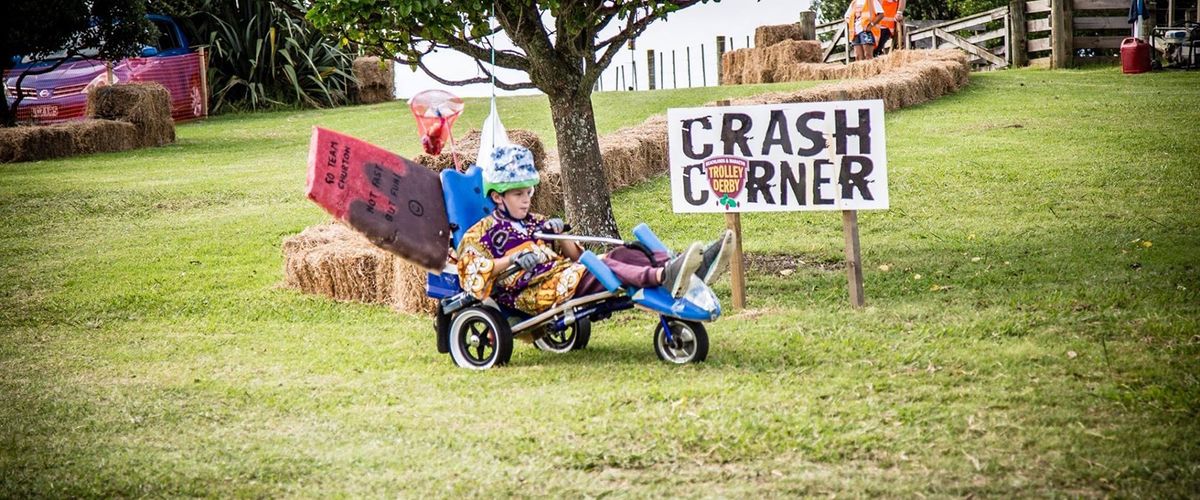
pixel 465 202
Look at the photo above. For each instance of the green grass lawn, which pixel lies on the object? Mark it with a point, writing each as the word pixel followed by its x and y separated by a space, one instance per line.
pixel 1033 325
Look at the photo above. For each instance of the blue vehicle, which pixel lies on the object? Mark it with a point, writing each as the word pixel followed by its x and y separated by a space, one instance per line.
pixel 479 334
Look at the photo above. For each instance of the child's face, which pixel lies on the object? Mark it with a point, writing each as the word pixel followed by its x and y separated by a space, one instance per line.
pixel 516 201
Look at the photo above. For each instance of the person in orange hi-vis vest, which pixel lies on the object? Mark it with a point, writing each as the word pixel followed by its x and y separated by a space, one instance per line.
pixel 861 19
pixel 893 15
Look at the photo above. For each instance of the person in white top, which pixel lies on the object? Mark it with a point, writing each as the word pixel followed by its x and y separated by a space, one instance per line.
pixel 861 18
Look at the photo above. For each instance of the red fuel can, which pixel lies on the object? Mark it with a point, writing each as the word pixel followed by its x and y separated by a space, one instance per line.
pixel 1135 56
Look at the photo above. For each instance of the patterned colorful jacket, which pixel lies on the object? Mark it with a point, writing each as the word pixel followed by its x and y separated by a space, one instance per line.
pixel 548 284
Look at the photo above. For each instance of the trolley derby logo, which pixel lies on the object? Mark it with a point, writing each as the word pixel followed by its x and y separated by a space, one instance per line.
pixel 726 176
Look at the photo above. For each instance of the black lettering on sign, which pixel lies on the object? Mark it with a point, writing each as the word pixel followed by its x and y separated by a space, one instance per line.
pixel 816 137
pixel 376 176
pixel 851 179
pixel 688 195
pixel 731 135
pixel 819 180
pixel 331 162
pixel 777 134
pixel 345 168
pixel 756 181
pixel 793 181
pixel 395 191
pixel 689 148
pixel 371 202
pixel 842 131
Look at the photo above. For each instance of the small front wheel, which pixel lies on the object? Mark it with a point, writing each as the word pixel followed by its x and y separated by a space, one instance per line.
pixel 480 339
pixel 573 338
pixel 688 342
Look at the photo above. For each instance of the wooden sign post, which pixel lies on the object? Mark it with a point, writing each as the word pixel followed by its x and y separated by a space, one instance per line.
pixel 853 258
pixel 737 261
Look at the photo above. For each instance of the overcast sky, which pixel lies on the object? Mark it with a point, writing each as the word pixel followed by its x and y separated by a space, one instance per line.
pixel 691 28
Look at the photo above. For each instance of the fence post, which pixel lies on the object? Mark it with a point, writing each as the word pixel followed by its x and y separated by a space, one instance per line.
pixel 689 65
pixel 808 25
pixel 633 63
pixel 1018 34
pixel 703 68
pixel 674 76
pixel 204 80
pixel 720 51
pixel 1062 40
pixel 650 67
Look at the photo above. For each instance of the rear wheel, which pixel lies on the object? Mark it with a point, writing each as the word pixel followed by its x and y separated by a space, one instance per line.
pixel 688 342
pixel 480 339
pixel 572 338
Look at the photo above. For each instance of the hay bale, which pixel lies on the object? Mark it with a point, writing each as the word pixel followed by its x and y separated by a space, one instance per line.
pixel 100 136
pixel 146 105
pixel 40 142
pixel 900 79
pixel 763 64
pixel 34 142
pixel 337 262
pixel 766 36
pixel 376 80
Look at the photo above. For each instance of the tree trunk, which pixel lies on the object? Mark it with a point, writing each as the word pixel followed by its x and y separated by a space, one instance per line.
pixel 585 185
pixel 8 117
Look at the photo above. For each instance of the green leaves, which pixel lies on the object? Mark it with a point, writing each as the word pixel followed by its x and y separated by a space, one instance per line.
pixel 262 58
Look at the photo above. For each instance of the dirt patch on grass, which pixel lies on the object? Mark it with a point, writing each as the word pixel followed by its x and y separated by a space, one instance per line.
pixel 786 264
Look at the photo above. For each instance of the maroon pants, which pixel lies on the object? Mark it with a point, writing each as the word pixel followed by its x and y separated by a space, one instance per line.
pixel 631 267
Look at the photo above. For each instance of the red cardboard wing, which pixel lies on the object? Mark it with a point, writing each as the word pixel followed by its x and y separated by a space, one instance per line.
pixel 396 203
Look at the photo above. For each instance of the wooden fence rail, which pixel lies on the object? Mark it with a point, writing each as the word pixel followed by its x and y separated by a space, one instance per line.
pixel 1058 33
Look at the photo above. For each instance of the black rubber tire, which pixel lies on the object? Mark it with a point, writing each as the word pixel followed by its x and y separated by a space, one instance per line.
pixel 690 342
pixel 566 340
pixel 485 328
pixel 584 333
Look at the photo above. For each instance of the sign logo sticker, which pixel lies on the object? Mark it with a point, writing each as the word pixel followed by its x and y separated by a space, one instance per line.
pixel 726 176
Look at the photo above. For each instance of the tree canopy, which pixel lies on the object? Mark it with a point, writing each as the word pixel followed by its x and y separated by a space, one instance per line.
pixel 57 30
pixel 562 45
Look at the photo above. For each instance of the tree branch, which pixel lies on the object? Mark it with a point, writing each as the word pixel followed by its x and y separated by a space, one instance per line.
pixel 486 78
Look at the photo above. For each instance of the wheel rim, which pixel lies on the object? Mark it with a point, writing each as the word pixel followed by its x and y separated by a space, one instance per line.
pixel 477 341
pixel 682 345
pixel 560 340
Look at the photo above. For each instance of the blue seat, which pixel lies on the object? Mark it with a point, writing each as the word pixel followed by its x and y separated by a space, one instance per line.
pixel 465 205
pixel 465 202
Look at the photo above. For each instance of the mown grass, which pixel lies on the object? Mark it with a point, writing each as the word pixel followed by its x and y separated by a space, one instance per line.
pixel 1032 326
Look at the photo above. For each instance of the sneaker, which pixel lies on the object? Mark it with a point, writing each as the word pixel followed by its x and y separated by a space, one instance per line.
pixel 716 258
pixel 678 272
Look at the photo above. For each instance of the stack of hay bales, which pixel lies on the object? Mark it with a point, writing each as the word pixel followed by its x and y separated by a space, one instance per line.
pixel 124 117
pixel 766 36
pixel 761 64
pixel 547 198
pixel 338 262
pixel 901 79
pixel 376 80
pixel 145 105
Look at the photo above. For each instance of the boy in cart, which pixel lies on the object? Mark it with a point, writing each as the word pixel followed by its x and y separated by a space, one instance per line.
pixel 549 272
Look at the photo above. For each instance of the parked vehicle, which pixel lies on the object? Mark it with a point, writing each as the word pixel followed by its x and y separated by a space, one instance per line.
pixel 61 95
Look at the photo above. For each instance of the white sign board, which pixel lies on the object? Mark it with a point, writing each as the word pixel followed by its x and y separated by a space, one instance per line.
pixel 778 157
